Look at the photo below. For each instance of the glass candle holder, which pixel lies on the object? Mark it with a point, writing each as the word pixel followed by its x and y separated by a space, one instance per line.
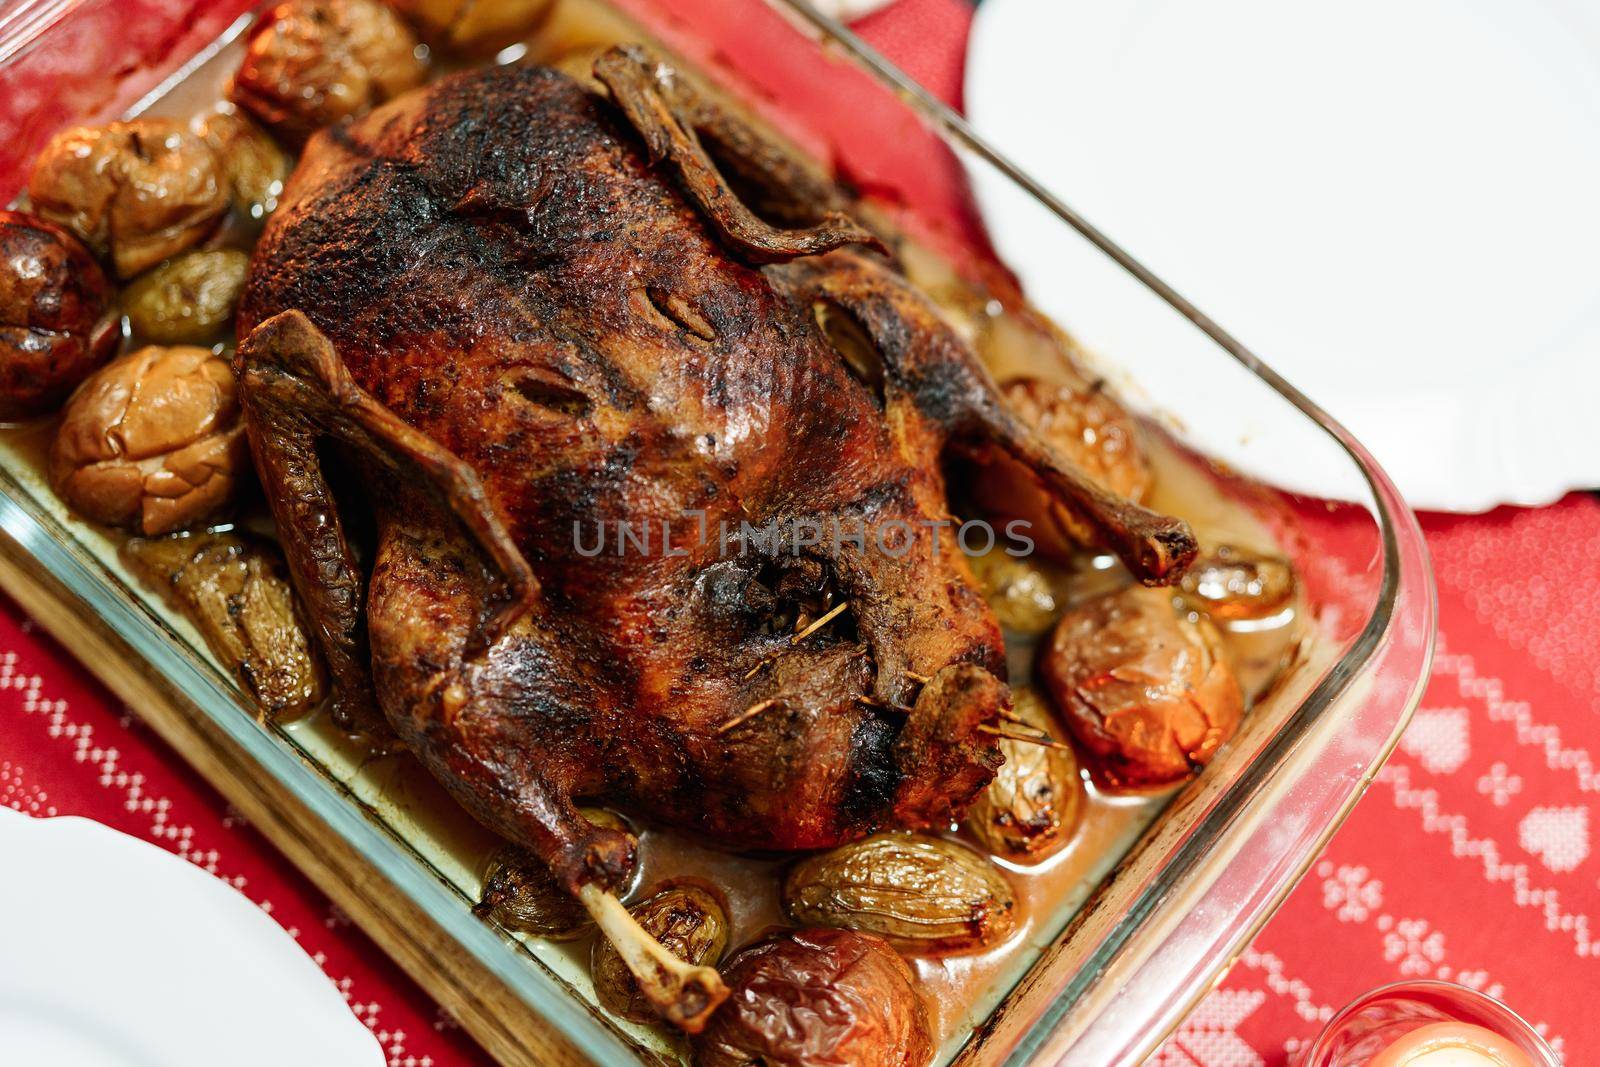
pixel 1361 1032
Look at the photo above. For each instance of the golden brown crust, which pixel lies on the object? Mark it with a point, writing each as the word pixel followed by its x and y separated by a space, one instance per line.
pixel 496 263
pixel 530 338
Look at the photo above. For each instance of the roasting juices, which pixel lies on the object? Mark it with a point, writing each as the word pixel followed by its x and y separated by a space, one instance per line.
pixel 1099 819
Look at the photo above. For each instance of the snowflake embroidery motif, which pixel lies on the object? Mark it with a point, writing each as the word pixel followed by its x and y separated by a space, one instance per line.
pixel 1412 944
pixel 1349 893
pixel 1500 785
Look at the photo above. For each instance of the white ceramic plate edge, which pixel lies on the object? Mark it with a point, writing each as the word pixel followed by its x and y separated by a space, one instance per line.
pixel 115 951
pixel 1466 445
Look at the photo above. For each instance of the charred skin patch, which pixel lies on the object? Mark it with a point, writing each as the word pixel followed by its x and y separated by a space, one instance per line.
pixel 874 779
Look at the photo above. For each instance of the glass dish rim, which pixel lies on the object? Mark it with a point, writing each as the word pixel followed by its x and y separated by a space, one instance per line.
pixel 57 550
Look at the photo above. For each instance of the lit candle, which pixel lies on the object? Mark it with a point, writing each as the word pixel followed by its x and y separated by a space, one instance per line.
pixel 1451 1045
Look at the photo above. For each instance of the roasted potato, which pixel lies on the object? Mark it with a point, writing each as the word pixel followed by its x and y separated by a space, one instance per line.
pixel 688 919
pixel 56 321
pixel 234 590
pixel 254 166
pixel 472 27
pixel 1143 686
pixel 135 192
pixel 1088 428
pixel 924 894
pixel 817 998
pixel 1018 590
pixel 1036 799
pixel 186 300
pixel 152 441
pixel 310 63
pixel 520 892
pixel 1232 583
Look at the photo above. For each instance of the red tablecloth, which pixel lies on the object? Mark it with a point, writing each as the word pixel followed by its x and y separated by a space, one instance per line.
pixel 1471 859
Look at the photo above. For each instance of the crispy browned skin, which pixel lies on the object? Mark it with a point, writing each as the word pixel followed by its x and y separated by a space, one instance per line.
pixel 525 311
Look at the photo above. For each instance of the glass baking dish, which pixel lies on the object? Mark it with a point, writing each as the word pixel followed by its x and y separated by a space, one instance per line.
pixel 1110 971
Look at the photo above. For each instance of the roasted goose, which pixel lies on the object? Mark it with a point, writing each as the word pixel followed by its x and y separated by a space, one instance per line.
pixel 524 312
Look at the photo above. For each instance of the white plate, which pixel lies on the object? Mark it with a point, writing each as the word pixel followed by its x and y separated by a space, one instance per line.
pixel 116 953
pixel 1395 203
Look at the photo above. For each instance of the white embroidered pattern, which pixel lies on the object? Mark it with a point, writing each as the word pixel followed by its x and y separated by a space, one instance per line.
pixel 1209 1038
pixel 1558 836
pixel 1496 869
pixel 1411 944
pixel 1438 740
pixel 1349 892
pixel 1500 785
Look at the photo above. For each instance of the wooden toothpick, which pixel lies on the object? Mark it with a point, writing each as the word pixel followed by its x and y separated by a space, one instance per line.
pixel 1027 739
pixel 832 614
pixel 874 702
pixel 748 713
